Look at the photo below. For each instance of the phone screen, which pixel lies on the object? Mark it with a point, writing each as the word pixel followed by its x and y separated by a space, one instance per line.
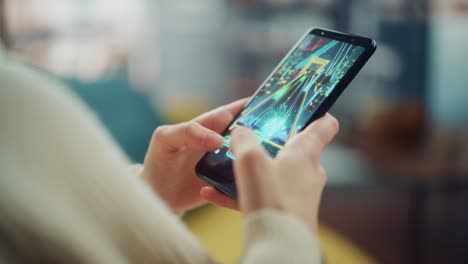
pixel 288 99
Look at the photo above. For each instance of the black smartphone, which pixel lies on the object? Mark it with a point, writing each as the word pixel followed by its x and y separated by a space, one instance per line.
pixel 301 89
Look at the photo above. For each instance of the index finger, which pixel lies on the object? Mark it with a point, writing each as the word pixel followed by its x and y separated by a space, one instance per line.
pixel 219 118
pixel 314 138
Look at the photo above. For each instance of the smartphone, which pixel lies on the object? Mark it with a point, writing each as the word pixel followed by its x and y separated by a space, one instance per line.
pixel 301 89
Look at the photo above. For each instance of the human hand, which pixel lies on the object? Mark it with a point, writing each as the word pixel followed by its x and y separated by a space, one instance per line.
pixel 293 181
pixel 174 151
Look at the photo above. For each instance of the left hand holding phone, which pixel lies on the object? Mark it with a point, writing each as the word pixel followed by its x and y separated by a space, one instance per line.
pixel 174 150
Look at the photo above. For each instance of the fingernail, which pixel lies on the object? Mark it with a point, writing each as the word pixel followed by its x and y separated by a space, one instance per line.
pixel 241 132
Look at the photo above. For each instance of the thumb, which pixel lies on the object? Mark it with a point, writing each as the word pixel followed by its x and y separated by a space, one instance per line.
pixel 251 168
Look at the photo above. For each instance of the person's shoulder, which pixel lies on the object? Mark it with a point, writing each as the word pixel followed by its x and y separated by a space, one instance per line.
pixel 26 87
pixel 18 77
pixel 30 97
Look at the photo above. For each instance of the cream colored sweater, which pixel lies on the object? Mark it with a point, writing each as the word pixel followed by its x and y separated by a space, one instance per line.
pixel 66 194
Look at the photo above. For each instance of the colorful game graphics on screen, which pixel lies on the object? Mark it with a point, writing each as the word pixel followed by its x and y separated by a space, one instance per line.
pixel 289 98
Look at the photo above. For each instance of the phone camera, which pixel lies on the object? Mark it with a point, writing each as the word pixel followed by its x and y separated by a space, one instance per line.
pixel 353 40
pixel 322 33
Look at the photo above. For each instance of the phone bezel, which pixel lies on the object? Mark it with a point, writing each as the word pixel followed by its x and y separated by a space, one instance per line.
pixel 367 43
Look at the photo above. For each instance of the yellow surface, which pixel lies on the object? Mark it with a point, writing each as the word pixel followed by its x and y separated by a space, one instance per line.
pixel 219 230
pixel 179 107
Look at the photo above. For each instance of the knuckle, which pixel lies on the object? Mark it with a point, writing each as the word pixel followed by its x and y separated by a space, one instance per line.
pixel 322 175
pixel 189 128
pixel 159 132
pixel 334 125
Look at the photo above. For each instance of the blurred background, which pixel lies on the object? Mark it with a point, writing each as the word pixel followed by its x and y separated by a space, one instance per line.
pixel 398 172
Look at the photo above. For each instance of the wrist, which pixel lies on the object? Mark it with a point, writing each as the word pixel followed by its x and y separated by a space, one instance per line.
pixel 167 195
pixel 277 230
